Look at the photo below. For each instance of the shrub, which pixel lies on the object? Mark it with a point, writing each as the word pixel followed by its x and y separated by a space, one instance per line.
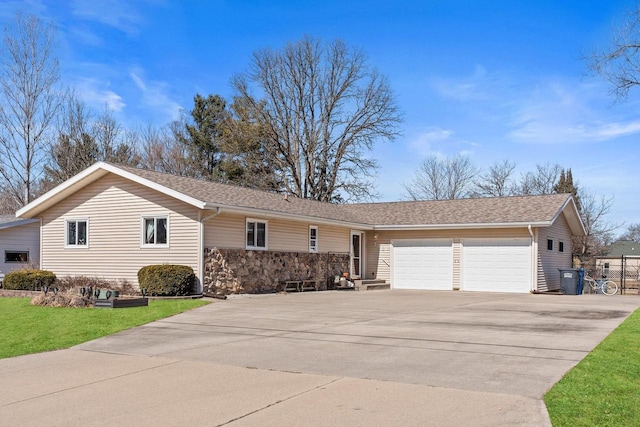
pixel 76 282
pixel 60 299
pixel 167 279
pixel 28 280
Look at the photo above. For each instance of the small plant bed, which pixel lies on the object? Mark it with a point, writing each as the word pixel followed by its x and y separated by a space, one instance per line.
pixel 603 389
pixel 29 328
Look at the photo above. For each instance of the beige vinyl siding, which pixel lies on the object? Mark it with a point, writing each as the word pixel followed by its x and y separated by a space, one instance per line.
pixel 333 239
pixel 289 236
pixel 378 259
pixel 114 208
pixel 227 231
pixel 550 261
pixel 20 238
pixel 379 255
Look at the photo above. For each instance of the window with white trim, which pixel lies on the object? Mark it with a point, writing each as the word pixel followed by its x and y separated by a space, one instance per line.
pixel 155 231
pixel 77 232
pixel 256 234
pixel 313 238
pixel 549 244
pixel 560 246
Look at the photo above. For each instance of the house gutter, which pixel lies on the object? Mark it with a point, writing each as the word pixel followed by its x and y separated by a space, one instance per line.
pixel 463 226
pixel 534 270
pixel 201 246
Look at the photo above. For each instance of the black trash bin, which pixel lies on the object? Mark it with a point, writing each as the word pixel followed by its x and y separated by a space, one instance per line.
pixel 569 280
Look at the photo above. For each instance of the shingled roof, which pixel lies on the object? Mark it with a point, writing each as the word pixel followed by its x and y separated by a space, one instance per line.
pixel 494 210
pixel 482 212
pixel 622 248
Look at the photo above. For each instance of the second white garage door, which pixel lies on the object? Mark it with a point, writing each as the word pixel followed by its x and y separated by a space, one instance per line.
pixel 496 265
pixel 422 264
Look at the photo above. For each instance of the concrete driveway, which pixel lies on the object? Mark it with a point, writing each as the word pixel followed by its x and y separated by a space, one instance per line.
pixel 328 358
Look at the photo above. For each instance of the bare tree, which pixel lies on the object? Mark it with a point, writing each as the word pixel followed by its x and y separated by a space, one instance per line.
pixel 75 148
pixel 620 63
pixel 632 233
pixel 443 178
pixel 541 181
pixel 29 73
pixel 496 182
pixel 162 150
pixel 324 108
pixel 114 145
pixel 594 210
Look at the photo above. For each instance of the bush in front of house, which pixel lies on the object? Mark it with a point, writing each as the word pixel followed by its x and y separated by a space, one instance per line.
pixel 76 282
pixel 167 279
pixel 28 280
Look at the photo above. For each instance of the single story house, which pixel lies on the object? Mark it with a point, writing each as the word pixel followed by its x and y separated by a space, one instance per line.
pixel 110 220
pixel 19 243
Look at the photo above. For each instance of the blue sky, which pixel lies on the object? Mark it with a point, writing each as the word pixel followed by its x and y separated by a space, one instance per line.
pixel 492 80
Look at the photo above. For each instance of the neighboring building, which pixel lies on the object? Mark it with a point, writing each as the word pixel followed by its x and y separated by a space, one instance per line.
pixel 19 243
pixel 109 221
pixel 621 254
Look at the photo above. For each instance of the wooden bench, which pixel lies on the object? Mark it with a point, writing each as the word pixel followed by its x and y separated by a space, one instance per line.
pixel 299 285
pixel 291 285
pixel 310 285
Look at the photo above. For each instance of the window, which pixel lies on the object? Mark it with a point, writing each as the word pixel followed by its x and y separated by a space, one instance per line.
pixel 313 239
pixel 155 231
pixel 549 244
pixel 560 246
pixel 16 256
pixel 77 232
pixel 256 234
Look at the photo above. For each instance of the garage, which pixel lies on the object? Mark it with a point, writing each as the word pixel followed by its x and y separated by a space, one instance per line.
pixel 422 264
pixel 496 265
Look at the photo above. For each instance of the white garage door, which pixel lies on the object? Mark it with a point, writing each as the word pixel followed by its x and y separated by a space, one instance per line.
pixel 422 264
pixel 496 265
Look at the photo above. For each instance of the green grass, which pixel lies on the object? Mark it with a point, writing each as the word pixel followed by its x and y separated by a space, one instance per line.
pixel 604 388
pixel 26 329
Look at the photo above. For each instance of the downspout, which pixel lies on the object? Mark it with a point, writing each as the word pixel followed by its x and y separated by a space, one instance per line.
pixel 534 264
pixel 201 247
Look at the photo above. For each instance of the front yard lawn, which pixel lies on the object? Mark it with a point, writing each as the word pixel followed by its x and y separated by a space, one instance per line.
pixel 26 329
pixel 604 388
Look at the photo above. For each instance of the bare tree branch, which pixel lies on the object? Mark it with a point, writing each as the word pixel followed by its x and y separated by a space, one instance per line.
pixel 324 108
pixel 29 100
pixel 441 179
pixel 620 64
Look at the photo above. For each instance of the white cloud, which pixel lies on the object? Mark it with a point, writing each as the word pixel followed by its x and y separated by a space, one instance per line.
pixel 479 86
pixel 120 14
pixel 565 112
pixel 154 95
pixel 439 142
pixel 98 95
pixel 427 140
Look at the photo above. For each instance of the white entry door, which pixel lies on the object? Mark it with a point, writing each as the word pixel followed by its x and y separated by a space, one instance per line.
pixel 422 264
pixel 496 265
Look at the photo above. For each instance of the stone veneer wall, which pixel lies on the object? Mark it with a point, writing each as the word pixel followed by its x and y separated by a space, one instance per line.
pixel 238 271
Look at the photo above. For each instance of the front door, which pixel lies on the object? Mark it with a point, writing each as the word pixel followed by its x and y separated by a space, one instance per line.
pixel 356 254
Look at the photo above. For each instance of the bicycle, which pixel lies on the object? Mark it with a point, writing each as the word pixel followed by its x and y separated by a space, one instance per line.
pixel 607 287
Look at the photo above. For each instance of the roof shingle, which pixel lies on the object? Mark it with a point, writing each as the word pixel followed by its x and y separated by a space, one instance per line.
pixel 503 210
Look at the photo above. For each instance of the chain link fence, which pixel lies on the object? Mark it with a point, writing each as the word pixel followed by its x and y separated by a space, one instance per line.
pixel 628 279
